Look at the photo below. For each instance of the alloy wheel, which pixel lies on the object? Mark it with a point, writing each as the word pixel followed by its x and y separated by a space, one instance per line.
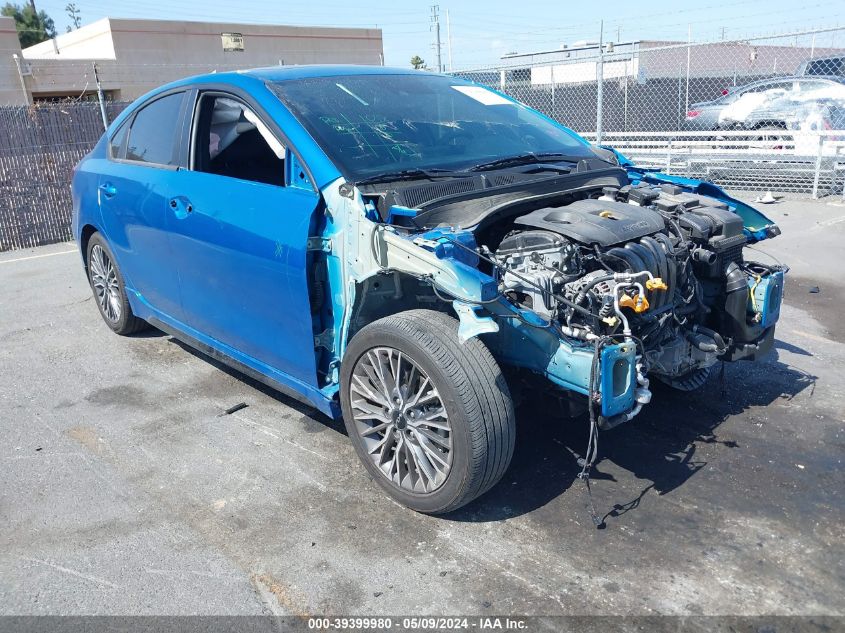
pixel 105 283
pixel 401 420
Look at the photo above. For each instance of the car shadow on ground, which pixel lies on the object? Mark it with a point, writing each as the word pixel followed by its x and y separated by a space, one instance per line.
pixel 658 447
pixel 150 332
pixel 288 401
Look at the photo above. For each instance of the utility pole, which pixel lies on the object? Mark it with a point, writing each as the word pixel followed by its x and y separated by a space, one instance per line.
pixel 435 26
pixel 449 39
pixel 101 98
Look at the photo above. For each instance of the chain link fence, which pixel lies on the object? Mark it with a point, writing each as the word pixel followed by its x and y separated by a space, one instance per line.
pixel 39 146
pixel 758 113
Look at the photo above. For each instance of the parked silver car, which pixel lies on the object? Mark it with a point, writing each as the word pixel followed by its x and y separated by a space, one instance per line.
pixel 771 104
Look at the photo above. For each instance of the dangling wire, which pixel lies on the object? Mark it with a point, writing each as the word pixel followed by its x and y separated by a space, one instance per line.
pixel 593 441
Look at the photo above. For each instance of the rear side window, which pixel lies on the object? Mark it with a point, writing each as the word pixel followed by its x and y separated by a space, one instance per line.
pixel 153 135
pixel 774 85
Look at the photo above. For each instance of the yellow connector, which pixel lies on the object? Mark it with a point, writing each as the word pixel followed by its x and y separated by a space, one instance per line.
pixel 656 284
pixel 640 304
pixel 610 321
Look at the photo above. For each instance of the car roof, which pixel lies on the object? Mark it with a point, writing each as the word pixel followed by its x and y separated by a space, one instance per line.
pixel 776 79
pixel 285 73
pixel 273 74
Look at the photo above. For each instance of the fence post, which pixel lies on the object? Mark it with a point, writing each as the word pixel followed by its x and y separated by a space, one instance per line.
pixel 100 98
pixel 818 168
pixel 669 156
pixel 600 84
pixel 689 50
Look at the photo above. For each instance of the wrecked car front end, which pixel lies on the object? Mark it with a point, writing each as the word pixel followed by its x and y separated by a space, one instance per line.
pixel 566 261
pixel 643 278
pixel 580 268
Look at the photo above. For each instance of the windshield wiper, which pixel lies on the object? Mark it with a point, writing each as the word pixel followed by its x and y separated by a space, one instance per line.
pixel 410 174
pixel 524 159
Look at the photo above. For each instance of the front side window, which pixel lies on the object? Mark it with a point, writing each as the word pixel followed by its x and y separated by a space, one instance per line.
pixel 231 140
pixel 368 124
pixel 154 132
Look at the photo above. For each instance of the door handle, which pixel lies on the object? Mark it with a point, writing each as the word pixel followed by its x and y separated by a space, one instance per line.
pixel 108 189
pixel 181 207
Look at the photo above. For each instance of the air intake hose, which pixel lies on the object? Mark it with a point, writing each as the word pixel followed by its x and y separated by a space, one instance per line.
pixel 736 303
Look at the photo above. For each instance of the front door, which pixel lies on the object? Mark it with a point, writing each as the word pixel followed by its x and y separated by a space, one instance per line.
pixel 239 237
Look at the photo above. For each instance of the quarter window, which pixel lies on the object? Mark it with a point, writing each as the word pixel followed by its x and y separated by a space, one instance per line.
pixel 116 142
pixel 153 133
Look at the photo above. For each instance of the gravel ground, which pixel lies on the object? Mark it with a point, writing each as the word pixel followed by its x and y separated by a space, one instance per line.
pixel 124 490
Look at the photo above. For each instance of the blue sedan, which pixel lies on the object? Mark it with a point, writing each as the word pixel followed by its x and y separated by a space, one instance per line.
pixel 388 245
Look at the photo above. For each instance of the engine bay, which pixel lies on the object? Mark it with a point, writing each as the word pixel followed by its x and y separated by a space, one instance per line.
pixel 633 279
pixel 664 265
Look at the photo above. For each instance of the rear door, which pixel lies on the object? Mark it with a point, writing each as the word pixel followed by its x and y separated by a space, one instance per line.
pixel 144 157
pixel 239 233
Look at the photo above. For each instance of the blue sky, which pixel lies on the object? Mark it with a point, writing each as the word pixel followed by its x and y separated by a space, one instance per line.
pixel 482 30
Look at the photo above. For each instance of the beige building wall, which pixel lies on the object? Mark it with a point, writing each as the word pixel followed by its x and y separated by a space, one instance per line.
pixel 134 56
pixel 171 42
pixel 11 92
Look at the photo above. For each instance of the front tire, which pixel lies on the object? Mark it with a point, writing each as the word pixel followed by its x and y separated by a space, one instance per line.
pixel 430 417
pixel 108 288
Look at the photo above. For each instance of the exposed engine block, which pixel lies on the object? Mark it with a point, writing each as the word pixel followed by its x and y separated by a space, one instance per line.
pixel 661 264
pixel 547 258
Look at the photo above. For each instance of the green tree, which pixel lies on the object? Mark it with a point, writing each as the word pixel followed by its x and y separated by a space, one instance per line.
pixel 75 16
pixel 32 26
pixel 418 62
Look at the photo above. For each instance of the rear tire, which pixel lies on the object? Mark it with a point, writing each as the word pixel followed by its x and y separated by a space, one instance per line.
pixel 443 433
pixel 772 137
pixel 108 288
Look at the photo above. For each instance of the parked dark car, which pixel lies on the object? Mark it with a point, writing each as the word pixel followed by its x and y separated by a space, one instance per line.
pixel 771 104
pixel 380 243
pixel 833 66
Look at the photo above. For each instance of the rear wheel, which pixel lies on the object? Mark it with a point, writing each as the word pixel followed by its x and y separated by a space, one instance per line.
pixel 109 291
pixel 430 417
pixel 771 137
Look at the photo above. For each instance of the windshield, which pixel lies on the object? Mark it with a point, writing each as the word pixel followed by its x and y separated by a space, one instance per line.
pixel 373 124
